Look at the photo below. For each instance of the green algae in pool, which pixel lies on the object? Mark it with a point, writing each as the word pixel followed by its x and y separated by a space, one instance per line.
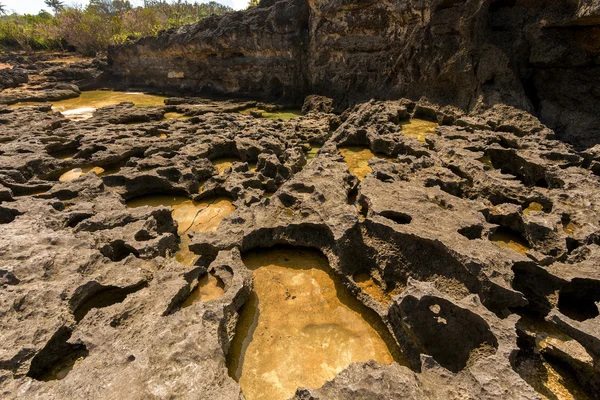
pixel 300 327
pixel 510 240
pixel 83 107
pixel 285 115
pixel 209 287
pixel 486 160
pixel 312 153
pixel 418 128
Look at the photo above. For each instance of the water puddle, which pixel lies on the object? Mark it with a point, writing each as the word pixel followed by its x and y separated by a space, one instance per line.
pixel 84 106
pixel 312 153
pixel 191 216
pixel 209 287
pixel 300 327
pixel 223 163
pixel 418 128
pixel 533 207
pixel 62 368
pixel 285 115
pixel 510 240
pixel 177 116
pixel 77 173
pixel 357 159
pixel 486 160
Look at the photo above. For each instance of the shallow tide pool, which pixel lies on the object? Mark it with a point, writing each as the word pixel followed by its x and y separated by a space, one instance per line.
pixel 300 327
pixel 84 106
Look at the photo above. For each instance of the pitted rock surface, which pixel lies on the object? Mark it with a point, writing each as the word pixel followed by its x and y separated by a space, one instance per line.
pixel 85 276
pixel 537 56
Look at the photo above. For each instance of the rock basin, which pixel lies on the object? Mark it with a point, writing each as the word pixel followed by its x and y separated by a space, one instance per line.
pixel 300 327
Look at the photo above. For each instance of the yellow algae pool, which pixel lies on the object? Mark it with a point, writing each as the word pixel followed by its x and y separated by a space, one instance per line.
pixel 76 173
pixel 368 285
pixel 176 116
pixel 191 216
pixel 533 207
pixel 223 163
pixel 510 240
pixel 418 128
pixel 285 114
pixel 83 107
pixel 357 158
pixel 300 327
pixel 209 287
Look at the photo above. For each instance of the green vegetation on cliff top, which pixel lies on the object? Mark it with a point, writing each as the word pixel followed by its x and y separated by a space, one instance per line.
pixel 91 29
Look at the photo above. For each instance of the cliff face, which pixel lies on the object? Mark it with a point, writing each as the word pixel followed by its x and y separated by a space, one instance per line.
pixel 538 55
pixel 257 53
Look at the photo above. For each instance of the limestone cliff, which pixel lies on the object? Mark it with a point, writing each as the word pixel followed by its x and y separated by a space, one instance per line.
pixel 538 55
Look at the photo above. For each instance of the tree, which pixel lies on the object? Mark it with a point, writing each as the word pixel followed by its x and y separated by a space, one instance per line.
pixel 110 7
pixel 55 5
pixel 2 9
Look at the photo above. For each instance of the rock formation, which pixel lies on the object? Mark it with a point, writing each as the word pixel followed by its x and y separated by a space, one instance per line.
pixel 475 243
pixel 538 56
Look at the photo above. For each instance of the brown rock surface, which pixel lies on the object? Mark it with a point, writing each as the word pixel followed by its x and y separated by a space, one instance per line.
pixel 473 238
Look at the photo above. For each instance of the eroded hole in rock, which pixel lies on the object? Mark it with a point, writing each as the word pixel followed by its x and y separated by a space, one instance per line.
pixel 551 377
pixel 418 128
pixel 301 327
pixel 509 239
pixel 552 381
pixel 57 358
pixel 104 297
pixel 368 285
pixel 397 217
pixel 8 215
pixel 579 300
pixel 486 160
pixel 209 287
pixel 472 232
pixel 65 153
pixel 117 250
pixel 569 227
pixel 536 207
pixel 455 337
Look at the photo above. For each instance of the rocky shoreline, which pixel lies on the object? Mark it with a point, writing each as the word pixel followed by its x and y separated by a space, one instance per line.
pixel 476 243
